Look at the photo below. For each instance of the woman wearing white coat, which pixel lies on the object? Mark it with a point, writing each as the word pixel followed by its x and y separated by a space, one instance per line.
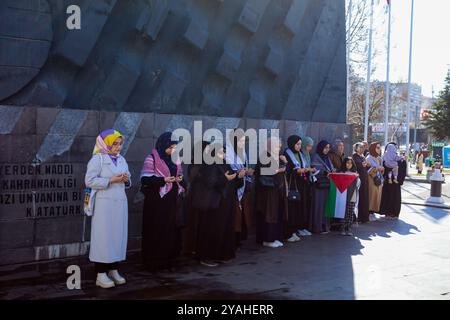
pixel 108 175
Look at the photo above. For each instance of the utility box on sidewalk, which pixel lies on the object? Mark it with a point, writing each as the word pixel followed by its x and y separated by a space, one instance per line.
pixel 446 157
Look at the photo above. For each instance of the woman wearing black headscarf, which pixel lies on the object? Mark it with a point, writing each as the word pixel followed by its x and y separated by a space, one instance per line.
pixel 362 165
pixel 193 194
pixel 298 183
pixel 216 216
pixel 162 184
pixel 323 165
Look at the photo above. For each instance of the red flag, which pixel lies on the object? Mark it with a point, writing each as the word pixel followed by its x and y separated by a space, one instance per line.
pixel 342 180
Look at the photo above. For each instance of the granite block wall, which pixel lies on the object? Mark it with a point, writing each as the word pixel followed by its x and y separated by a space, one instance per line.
pixel 144 67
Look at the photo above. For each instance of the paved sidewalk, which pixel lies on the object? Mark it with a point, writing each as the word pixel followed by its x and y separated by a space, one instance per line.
pixel 416 193
pixel 403 259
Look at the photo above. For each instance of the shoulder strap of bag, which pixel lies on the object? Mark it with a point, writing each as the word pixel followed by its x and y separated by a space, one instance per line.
pixel 295 181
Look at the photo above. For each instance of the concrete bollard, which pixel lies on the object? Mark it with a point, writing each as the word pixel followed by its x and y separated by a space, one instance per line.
pixel 436 187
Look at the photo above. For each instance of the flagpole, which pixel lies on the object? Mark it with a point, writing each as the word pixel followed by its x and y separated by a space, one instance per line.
pixel 369 71
pixel 350 8
pixel 408 105
pixel 388 84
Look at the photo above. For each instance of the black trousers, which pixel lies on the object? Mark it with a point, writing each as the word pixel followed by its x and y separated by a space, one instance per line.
pixel 105 267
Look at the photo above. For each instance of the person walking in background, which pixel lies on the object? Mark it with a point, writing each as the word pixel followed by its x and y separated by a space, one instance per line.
pixel 163 186
pixel 271 197
pixel 419 162
pixel 217 185
pixel 337 153
pixel 322 163
pixel 349 167
pixel 362 167
pixel 108 175
pixel 375 179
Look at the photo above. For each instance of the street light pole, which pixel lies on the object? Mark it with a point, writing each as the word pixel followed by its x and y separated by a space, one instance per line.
pixel 388 84
pixel 408 105
pixel 369 71
pixel 349 30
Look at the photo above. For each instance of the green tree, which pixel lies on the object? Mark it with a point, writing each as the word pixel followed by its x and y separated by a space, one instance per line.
pixel 439 119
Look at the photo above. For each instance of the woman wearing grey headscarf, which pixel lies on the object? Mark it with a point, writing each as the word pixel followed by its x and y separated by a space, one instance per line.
pixel 336 153
pixel 307 146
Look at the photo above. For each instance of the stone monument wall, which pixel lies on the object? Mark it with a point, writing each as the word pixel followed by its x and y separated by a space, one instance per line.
pixel 143 67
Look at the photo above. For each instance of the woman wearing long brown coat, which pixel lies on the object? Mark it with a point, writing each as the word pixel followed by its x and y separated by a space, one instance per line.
pixel 376 170
pixel 271 199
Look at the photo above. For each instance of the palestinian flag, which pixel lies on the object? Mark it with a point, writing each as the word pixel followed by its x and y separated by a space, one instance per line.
pixel 337 195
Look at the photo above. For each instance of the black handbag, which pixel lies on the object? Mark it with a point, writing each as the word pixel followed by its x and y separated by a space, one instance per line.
pixel 377 181
pixel 267 181
pixel 293 195
pixel 322 183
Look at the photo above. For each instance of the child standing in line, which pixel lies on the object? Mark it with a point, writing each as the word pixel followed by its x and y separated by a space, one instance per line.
pixel 391 159
pixel 349 167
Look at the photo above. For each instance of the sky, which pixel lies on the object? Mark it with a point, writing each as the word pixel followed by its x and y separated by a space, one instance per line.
pixel 431 44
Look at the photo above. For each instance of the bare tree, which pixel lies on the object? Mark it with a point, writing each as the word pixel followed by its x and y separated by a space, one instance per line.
pixel 355 115
pixel 358 18
pixel 357 106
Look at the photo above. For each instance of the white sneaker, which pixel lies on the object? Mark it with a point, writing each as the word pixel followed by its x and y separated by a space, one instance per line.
pixel 209 263
pixel 307 233
pixel 103 281
pixel 300 233
pixel 293 238
pixel 372 217
pixel 279 243
pixel 270 244
pixel 116 277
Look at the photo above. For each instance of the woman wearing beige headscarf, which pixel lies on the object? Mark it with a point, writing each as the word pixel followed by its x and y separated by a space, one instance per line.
pixel 375 171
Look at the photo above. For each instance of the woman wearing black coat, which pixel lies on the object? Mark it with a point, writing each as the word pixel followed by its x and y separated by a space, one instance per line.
pixel 215 197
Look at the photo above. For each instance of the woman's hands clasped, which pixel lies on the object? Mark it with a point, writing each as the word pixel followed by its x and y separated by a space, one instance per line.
pixel 120 178
pixel 230 176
